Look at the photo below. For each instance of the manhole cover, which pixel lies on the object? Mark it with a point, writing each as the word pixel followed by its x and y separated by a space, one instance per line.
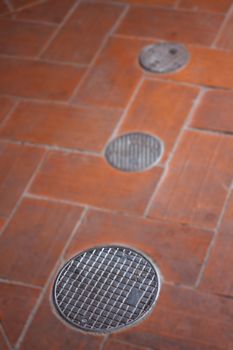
pixel 134 151
pixel 104 289
pixel 163 57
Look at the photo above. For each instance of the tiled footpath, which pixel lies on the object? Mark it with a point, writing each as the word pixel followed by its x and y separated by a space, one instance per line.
pixel 69 82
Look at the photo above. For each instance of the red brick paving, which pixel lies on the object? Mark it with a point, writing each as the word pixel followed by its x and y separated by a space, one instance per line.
pixel 6 104
pixel 61 125
pixel 22 38
pixel 50 11
pixel 89 23
pixel 87 87
pixel 214 112
pixel 16 303
pixel 205 5
pixel 40 230
pixel 17 165
pixel 188 27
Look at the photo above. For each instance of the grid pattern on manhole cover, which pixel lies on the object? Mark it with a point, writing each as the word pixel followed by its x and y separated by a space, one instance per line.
pixel 163 57
pixel 104 289
pixel 134 151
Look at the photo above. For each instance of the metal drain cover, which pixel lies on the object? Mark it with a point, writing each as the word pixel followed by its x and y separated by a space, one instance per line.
pixel 164 57
pixel 104 289
pixel 134 151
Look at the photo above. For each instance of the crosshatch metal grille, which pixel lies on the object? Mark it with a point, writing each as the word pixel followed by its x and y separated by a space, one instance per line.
pixel 135 151
pixel 104 289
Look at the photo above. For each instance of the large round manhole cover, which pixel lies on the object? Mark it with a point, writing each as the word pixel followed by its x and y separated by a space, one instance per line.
pixel 164 57
pixel 104 289
pixel 134 151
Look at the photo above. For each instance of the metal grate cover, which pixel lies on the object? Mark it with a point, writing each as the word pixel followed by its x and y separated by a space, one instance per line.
pixel 163 57
pixel 104 289
pixel 134 152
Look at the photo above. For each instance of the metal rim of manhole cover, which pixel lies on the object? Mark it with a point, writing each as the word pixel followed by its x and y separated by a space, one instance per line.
pixel 164 57
pixel 134 151
pixel 105 289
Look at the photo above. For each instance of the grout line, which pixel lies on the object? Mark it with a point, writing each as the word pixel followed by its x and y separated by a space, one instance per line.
pixel 44 289
pixel 59 27
pixel 51 148
pixel 125 112
pixel 5 337
pixel 222 28
pixel 62 103
pixel 215 235
pixel 104 341
pixel 177 4
pixel 8 220
pixel 9 114
pixel 18 283
pixel 194 107
pixel 28 5
pixel 42 60
pixel 9 5
pixel 34 21
pixel 113 212
pixel 163 40
pixel 210 132
pixel 96 56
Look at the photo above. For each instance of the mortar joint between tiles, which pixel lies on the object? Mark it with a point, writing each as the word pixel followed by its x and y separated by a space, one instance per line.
pixel 46 286
pixel 170 157
pixel 214 238
pixel 101 47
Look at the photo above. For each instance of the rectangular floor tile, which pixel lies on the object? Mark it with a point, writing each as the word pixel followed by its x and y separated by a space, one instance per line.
pixel 177 249
pixel 206 5
pixel 108 83
pixel 82 34
pixel 225 40
pixel 28 78
pixel 48 332
pixel 218 275
pixel 22 38
pixel 17 165
pixel 208 67
pixel 16 303
pixel 90 180
pixel 161 109
pixel 6 104
pixel 186 318
pixel 187 27
pixel 197 181
pixel 32 243
pixel 50 11
pixel 215 111
pixel 61 125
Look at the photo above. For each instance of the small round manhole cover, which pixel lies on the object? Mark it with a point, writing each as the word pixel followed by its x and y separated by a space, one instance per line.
pixel 164 57
pixel 107 288
pixel 134 151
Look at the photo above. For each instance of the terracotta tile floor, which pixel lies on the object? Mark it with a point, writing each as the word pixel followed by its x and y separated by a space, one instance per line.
pixel 70 82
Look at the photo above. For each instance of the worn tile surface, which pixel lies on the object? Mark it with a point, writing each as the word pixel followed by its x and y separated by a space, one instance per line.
pixel 70 82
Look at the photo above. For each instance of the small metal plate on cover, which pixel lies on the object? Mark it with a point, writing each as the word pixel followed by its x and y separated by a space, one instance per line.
pixel 134 151
pixel 105 289
pixel 164 57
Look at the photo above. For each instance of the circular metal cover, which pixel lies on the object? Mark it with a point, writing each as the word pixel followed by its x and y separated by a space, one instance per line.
pixel 164 57
pixel 134 151
pixel 104 289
